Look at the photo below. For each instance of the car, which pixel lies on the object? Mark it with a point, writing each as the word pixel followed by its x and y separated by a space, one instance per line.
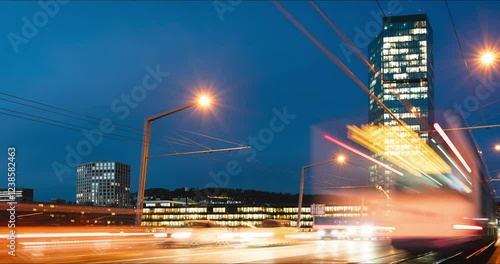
pixel 195 234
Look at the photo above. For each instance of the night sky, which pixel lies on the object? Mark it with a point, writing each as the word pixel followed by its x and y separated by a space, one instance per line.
pixel 86 57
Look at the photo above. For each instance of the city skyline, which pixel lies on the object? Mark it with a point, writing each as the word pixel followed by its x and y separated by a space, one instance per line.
pixel 92 67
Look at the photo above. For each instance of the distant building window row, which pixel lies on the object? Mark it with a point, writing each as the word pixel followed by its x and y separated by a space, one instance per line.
pixel 397 39
pixel 396 26
pixel 401 115
pixel 420 23
pixel 242 216
pixel 404 85
pixel 415 31
pixel 405 69
pixel 405 57
pixel 402 45
pixel 390 97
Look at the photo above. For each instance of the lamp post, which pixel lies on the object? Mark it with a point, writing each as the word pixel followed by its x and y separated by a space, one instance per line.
pixel 340 159
pixel 202 101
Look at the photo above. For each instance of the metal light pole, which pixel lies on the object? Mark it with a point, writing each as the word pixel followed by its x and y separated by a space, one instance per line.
pixel 302 177
pixel 144 159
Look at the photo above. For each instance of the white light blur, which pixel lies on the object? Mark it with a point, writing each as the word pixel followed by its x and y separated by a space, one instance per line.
pixel 452 146
pixel 98 234
pixel 488 58
pixel 467 227
pixel 257 234
pixel 454 164
pixel 367 230
pixel 181 235
pixel 438 183
pixel 204 100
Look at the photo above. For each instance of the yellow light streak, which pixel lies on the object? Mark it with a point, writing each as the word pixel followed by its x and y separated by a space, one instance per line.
pixel 401 146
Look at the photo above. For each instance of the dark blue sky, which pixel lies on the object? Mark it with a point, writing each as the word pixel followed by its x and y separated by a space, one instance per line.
pixel 86 55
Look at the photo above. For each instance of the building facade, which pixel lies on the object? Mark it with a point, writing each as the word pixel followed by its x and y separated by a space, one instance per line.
pixel 103 183
pixel 171 214
pixel 402 78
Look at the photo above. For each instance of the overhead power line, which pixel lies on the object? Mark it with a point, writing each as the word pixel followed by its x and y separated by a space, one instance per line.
pixel 371 67
pixel 462 53
pixel 98 119
pixel 214 138
pixel 72 115
pixel 335 60
pixel 379 6
pixel 200 152
pixel 94 121
pixel 60 124
pixel 465 128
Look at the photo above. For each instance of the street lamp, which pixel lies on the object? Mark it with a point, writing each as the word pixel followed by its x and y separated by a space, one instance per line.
pixel 203 101
pixel 497 147
pixel 339 159
pixel 487 58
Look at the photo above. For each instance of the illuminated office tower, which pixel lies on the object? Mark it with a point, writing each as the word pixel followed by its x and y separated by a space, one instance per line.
pixel 402 58
pixel 103 183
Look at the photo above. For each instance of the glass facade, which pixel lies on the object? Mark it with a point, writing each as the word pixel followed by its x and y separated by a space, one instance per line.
pixel 402 78
pixel 104 183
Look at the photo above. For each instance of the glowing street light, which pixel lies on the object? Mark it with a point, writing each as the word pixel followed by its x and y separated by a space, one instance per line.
pixel 487 58
pixel 341 158
pixel 203 101
pixel 497 147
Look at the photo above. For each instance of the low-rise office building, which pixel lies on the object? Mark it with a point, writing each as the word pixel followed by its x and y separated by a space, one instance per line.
pixel 171 214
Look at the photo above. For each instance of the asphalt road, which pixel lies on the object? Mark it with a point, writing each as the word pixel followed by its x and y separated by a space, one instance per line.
pixel 146 250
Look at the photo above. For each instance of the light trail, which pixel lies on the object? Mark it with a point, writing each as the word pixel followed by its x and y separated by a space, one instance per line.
pixel 338 142
pixel 452 146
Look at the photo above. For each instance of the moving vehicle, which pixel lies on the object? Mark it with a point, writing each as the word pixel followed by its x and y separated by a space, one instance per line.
pixel 207 233
pixel 454 210
pixel 194 234
pixel 348 228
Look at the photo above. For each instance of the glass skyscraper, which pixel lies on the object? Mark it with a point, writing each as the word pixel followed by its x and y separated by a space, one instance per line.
pixel 103 183
pixel 402 78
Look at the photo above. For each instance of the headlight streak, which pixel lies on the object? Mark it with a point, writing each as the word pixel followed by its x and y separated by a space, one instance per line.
pixel 467 227
pixel 181 235
pixel 367 230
